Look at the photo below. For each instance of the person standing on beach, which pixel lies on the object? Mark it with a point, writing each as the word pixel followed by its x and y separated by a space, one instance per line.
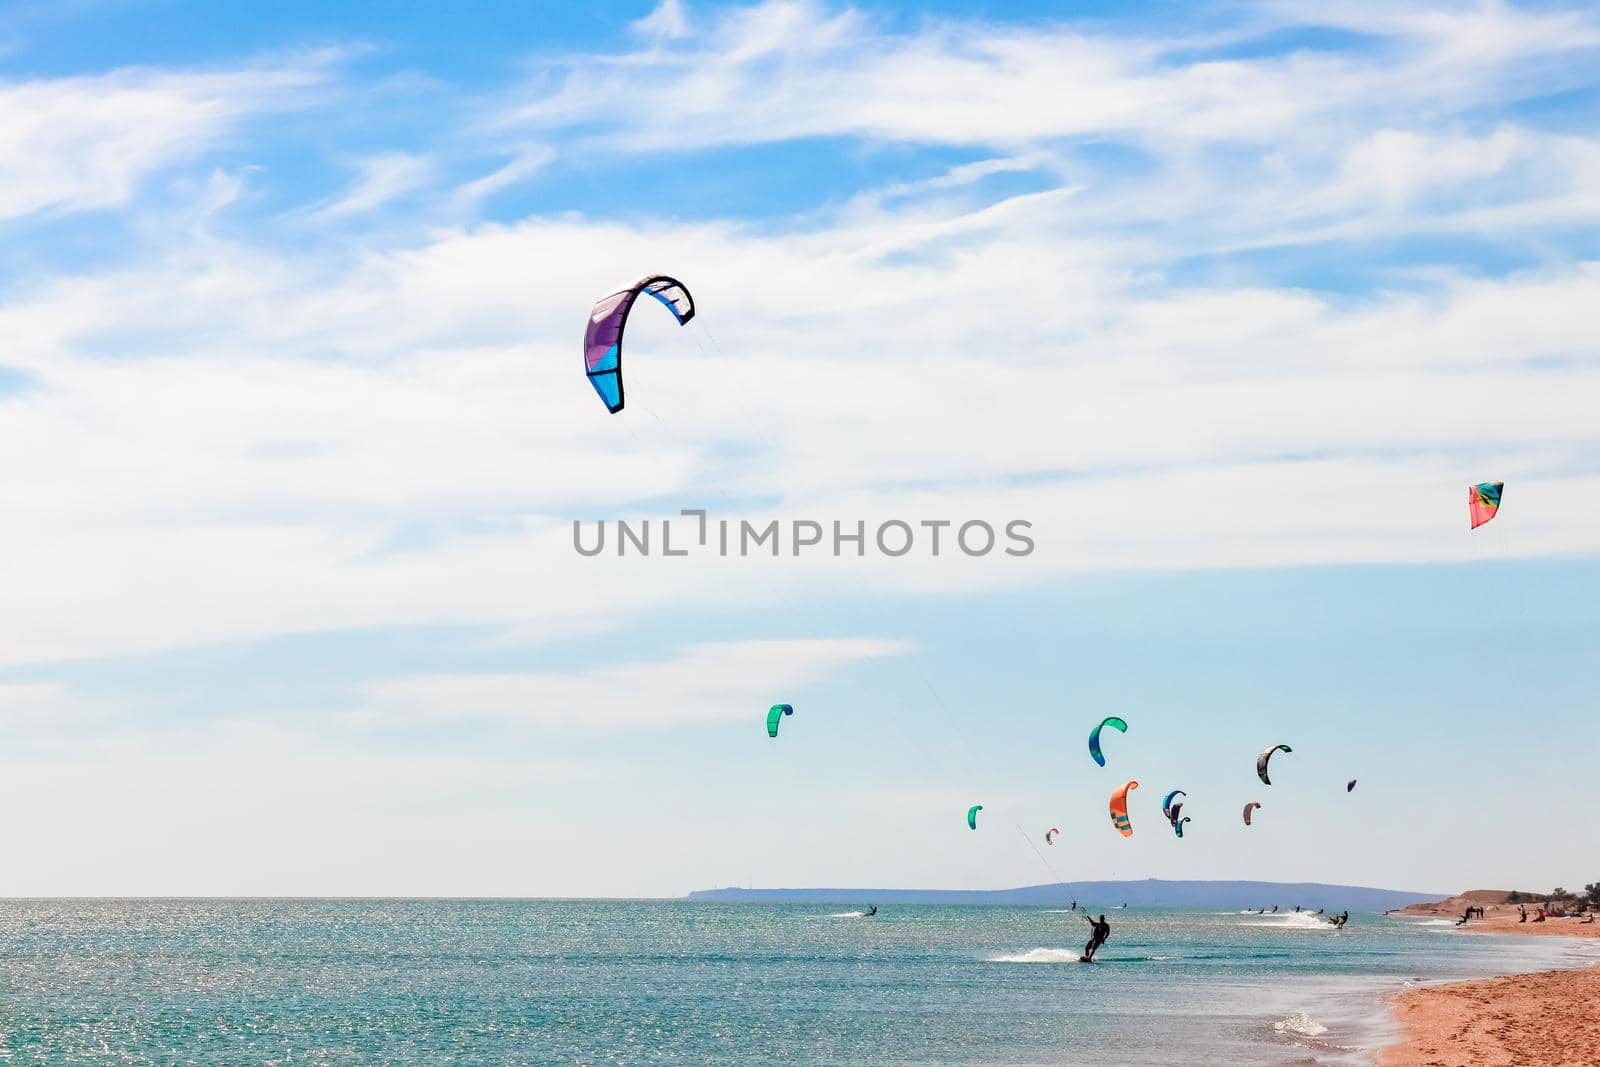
pixel 1102 931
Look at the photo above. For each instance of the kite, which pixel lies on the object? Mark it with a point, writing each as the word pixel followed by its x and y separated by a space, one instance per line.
pixel 1248 808
pixel 1172 816
pixel 972 816
pixel 1094 737
pixel 1119 809
pixel 602 340
pixel 776 713
pixel 1350 785
pixel 1261 762
pixel 1050 835
pixel 1177 825
pixel 1483 501
pixel 1166 802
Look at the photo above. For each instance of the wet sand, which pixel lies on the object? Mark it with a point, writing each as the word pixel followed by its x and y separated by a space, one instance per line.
pixel 1546 1018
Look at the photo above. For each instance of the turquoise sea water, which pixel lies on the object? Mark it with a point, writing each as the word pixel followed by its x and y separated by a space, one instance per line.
pixel 439 981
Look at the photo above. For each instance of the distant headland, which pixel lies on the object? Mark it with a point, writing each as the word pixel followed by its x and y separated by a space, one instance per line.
pixel 1151 892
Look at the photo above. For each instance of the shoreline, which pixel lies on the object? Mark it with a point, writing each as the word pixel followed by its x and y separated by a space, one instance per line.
pixel 1540 1017
pixel 1544 1017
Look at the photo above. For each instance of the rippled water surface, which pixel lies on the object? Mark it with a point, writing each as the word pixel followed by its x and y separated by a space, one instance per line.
pixel 438 981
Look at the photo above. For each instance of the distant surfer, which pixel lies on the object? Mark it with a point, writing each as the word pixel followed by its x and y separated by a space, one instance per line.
pixel 872 909
pixel 1102 931
pixel 1074 906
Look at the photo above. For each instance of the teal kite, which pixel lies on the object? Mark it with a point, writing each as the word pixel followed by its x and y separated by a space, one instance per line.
pixel 1094 737
pixel 972 816
pixel 775 714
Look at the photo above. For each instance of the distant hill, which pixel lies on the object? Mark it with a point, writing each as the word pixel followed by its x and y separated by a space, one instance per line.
pixel 1153 892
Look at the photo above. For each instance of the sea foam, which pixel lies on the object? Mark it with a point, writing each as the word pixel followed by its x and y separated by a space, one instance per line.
pixel 1041 955
pixel 1294 920
pixel 1300 1025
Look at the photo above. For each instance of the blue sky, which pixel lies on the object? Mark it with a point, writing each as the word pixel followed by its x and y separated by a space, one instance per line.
pixel 1229 302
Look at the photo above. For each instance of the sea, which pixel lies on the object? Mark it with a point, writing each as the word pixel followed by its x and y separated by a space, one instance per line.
pixel 599 982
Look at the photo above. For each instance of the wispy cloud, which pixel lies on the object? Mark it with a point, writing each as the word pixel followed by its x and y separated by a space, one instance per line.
pixel 394 430
pixel 82 143
pixel 669 20
pixel 793 68
pixel 21 702
pixel 704 682
pixel 380 180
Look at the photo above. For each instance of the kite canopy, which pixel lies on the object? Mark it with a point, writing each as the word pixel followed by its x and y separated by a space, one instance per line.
pixel 1166 802
pixel 1119 809
pixel 1050 835
pixel 1248 808
pixel 1261 762
pixel 775 715
pixel 1350 785
pixel 602 340
pixel 1483 501
pixel 1177 825
pixel 1172 816
pixel 972 816
pixel 1094 737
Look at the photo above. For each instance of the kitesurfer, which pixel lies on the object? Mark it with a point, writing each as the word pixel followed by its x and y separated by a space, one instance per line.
pixel 872 909
pixel 1102 931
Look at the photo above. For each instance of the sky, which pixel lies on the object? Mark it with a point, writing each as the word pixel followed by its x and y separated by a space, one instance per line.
pixel 1228 303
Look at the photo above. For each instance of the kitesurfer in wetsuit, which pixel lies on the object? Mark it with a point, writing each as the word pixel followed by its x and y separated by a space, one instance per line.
pixel 1102 930
pixel 872 909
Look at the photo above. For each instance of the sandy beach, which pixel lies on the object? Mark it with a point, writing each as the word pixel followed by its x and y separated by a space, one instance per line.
pixel 1545 1018
pixel 1502 918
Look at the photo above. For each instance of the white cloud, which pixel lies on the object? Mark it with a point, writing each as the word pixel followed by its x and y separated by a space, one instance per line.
pixel 381 179
pixel 669 20
pixel 226 440
pixel 787 69
pixel 725 680
pixel 523 166
pixel 21 702
pixel 80 143
pixel 226 485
